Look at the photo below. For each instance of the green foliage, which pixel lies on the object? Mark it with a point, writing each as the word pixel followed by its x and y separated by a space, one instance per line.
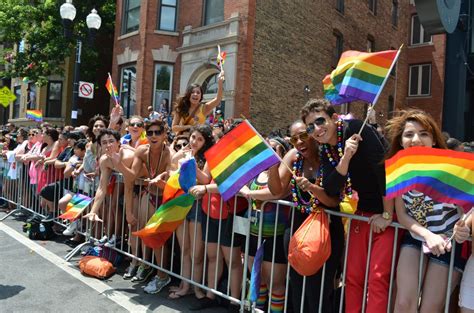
pixel 38 24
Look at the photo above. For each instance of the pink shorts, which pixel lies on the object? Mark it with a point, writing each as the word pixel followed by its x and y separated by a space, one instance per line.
pixel 466 295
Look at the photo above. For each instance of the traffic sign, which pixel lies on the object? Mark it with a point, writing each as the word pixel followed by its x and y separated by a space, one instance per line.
pixel 6 96
pixel 86 90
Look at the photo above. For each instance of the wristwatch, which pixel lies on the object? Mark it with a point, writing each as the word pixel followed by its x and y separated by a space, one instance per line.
pixel 386 215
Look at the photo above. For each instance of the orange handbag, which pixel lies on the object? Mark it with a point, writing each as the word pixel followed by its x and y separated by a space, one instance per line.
pixel 310 245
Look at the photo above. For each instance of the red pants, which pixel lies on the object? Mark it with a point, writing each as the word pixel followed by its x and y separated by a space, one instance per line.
pixel 379 268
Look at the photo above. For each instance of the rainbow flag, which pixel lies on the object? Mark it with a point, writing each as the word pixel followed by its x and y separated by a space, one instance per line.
pixel 112 90
pixel 255 276
pixel 35 115
pixel 238 157
pixel 180 181
pixel 332 94
pixel 362 75
pixel 174 208
pixel 220 57
pixel 444 175
pixel 76 206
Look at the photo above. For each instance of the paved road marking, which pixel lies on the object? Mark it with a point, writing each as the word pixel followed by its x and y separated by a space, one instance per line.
pixel 116 296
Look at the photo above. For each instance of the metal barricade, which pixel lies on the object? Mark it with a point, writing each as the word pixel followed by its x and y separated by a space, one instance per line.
pixel 216 253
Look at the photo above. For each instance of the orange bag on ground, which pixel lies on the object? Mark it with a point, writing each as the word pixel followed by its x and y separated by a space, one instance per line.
pixel 310 245
pixel 96 266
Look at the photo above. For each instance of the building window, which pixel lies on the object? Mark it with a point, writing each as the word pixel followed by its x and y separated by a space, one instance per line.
pixel 163 87
pixel 395 13
pixel 16 103
pixel 167 20
pixel 373 6
pixel 418 35
pixel 213 11
pixel 128 89
pixel 339 47
pixel 31 96
pixel 420 80
pixel 131 16
pixel 340 5
pixel 391 106
pixel 370 44
pixel 54 99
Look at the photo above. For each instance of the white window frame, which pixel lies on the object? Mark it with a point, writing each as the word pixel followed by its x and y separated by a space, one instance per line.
pixel 420 80
pixel 422 34
pixel 170 91
pixel 129 88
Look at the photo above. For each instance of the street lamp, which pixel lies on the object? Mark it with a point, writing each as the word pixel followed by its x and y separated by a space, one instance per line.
pixel 93 21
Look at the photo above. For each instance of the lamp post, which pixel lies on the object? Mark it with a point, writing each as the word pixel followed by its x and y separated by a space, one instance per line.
pixel 93 21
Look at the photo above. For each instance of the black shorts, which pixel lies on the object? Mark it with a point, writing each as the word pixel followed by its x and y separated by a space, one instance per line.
pixel 52 192
pixel 280 256
pixel 225 233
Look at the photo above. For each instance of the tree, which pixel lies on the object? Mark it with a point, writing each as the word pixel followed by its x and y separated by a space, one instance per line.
pixel 35 28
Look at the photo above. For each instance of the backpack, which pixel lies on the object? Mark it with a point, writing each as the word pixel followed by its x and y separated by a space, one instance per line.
pixel 37 230
pixel 104 252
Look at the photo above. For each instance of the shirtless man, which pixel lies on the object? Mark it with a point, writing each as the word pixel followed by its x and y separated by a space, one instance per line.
pixel 151 162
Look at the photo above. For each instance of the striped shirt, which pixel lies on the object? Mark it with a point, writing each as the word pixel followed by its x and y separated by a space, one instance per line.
pixel 439 218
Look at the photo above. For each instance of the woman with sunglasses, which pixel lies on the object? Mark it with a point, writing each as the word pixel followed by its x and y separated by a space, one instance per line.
pixel 136 133
pixel 304 160
pixel 353 161
pixel 189 110
pixel 150 166
pixel 189 233
pixel 178 143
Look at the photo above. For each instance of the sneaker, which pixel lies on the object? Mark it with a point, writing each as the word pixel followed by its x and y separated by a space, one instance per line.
pixel 130 271
pixel 112 242
pixel 101 241
pixel 157 284
pixel 143 272
pixel 48 218
pixel 71 229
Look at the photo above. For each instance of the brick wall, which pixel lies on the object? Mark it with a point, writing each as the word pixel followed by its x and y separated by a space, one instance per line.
pixel 295 46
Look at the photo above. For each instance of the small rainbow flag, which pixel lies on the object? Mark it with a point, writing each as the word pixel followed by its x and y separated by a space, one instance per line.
pixel 238 157
pixel 112 90
pixel 176 205
pixel 35 115
pixel 76 206
pixel 220 57
pixel 255 276
pixel 444 175
pixel 362 75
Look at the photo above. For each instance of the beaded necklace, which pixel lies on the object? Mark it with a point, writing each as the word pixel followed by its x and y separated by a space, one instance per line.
pixel 302 205
pixel 334 156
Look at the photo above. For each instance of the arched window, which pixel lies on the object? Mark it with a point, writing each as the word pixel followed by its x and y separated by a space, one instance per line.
pixel 209 86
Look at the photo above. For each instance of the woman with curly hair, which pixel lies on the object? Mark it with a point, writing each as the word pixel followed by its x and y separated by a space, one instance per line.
pixel 189 110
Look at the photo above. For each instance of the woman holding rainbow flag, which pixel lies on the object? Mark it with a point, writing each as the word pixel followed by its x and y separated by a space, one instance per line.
pixel 429 223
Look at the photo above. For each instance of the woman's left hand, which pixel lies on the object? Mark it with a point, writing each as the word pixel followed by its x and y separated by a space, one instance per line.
pixel 461 231
pixel 378 224
pixel 198 191
pixel 303 183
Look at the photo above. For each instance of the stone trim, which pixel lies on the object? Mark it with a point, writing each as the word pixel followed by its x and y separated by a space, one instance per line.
pixel 128 56
pixel 164 54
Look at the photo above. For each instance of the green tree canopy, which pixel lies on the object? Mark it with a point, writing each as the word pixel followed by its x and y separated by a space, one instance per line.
pixel 36 27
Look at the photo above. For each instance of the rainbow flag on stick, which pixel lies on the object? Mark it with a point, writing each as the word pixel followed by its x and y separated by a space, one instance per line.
pixel 76 206
pixel 112 90
pixel 176 205
pixel 220 57
pixel 444 175
pixel 35 115
pixel 238 157
pixel 362 75
pixel 332 94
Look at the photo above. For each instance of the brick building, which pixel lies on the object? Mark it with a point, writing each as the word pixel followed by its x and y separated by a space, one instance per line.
pixel 274 49
pixel 426 68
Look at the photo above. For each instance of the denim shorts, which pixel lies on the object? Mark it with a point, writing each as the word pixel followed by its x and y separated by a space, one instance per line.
pixel 194 214
pixel 443 259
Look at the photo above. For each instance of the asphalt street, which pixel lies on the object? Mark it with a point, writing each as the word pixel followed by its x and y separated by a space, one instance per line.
pixel 34 277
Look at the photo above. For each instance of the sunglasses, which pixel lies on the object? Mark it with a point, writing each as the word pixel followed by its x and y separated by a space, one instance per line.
pixel 136 124
pixel 320 121
pixel 31 135
pixel 301 136
pixel 178 146
pixel 150 133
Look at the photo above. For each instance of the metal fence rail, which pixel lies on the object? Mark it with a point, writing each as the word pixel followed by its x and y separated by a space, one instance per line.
pixel 215 257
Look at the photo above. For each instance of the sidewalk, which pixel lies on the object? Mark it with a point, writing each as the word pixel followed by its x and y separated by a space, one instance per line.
pixel 35 277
